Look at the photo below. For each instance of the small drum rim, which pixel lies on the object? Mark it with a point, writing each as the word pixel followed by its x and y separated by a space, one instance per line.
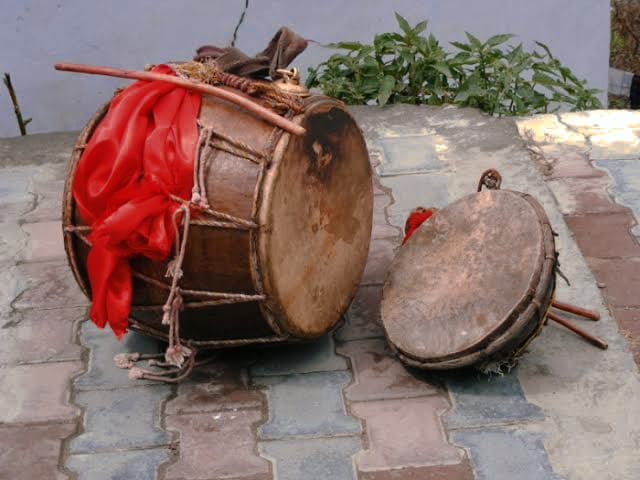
pixel 511 342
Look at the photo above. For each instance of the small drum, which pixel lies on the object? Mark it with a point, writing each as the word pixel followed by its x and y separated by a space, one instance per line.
pixel 473 284
pixel 289 264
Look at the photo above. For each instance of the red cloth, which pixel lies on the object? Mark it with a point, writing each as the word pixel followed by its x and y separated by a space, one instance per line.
pixel 416 218
pixel 140 153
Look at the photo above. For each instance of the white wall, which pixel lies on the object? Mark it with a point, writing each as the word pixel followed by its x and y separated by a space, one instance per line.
pixel 34 34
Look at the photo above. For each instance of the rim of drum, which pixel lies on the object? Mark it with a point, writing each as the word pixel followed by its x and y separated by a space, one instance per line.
pixel 520 331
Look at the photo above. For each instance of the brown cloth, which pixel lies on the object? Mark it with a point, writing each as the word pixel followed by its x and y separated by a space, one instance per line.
pixel 282 49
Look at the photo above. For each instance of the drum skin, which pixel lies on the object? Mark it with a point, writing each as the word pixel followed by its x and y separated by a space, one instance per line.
pixel 473 283
pixel 313 204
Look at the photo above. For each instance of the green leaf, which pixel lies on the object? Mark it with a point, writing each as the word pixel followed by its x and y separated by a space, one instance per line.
pixel 474 41
pixel 499 39
pixel 462 46
pixel 443 68
pixel 345 45
pixel 386 88
pixel 404 25
pixel 420 27
pixel 545 48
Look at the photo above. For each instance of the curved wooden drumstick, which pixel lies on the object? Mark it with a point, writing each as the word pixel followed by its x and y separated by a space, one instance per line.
pixel 200 87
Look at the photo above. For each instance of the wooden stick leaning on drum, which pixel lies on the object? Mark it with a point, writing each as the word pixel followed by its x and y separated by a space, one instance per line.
pixel 474 284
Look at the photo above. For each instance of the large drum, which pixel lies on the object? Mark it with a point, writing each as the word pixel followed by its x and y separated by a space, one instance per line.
pixel 287 263
pixel 473 284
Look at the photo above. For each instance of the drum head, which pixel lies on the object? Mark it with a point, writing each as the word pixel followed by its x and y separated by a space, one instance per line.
pixel 464 276
pixel 316 209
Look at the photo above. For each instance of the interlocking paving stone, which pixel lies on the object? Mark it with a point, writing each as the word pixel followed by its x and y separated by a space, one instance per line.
pixel 102 371
pixel 458 471
pixel 45 241
pixel 485 400
pixel 504 454
pixel 41 336
pixel 411 191
pixel 306 405
pixel 137 464
pixel 315 356
pixel 37 393
pixel 566 161
pixel 405 433
pixel 621 279
pixel 410 154
pixel 604 236
pixel 381 254
pixel 575 196
pixel 49 285
pixel 380 375
pixel 312 458
pixel 220 445
pixel 121 419
pixel 626 178
pixel 222 385
pixel 49 201
pixel 629 321
pixel 362 319
pixel 32 452
pixel 381 227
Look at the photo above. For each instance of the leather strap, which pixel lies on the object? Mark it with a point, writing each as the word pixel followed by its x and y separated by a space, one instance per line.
pixel 283 48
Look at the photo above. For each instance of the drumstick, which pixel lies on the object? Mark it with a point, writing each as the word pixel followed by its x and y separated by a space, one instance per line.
pixel 587 336
pixel 576 310
pixel 200 87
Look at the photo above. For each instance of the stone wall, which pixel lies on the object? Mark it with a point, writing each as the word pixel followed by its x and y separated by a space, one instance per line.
pixel 34 34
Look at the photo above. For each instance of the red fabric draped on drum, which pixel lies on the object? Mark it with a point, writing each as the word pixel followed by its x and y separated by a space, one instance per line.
pixel 416 218
pixel 141 153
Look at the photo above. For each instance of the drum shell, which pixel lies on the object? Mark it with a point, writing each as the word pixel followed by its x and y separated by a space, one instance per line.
pixel 523 324
pixel 235 261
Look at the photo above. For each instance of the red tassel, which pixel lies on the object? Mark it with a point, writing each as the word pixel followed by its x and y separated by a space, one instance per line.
pixel 416 218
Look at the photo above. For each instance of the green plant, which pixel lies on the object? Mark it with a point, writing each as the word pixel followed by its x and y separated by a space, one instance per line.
pixel 410 67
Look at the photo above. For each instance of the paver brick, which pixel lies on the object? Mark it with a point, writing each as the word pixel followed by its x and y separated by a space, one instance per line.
pixel 362 319
pixel 102 371
pixel 405 433
pixel 480 400
pixel 315 356
pixel 32 452
pixel 572 162
pixel 411 154
pixel 626 178
pixel 312 458
pixel 629 321
pixel 41 336
pixel 604 236
pixel 49 285
pixel 49 201
pixel 496 454
pixel 380 375
pixel 458 471
pixel 121 419
pixel 621 279
pixel 220 445
pixel 222 385
pixel 45 241
pixel 381 254
pixel 307 405
pixel 136 464
pixel 411 191
pixel 37 393
pixel 577 196
pixel 381 227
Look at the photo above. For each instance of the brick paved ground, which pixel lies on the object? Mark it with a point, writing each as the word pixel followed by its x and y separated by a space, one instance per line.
pixel 342 407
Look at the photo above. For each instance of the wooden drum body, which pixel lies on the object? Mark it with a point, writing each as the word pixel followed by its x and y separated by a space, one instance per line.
pixel 310 198
pixel 473 284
